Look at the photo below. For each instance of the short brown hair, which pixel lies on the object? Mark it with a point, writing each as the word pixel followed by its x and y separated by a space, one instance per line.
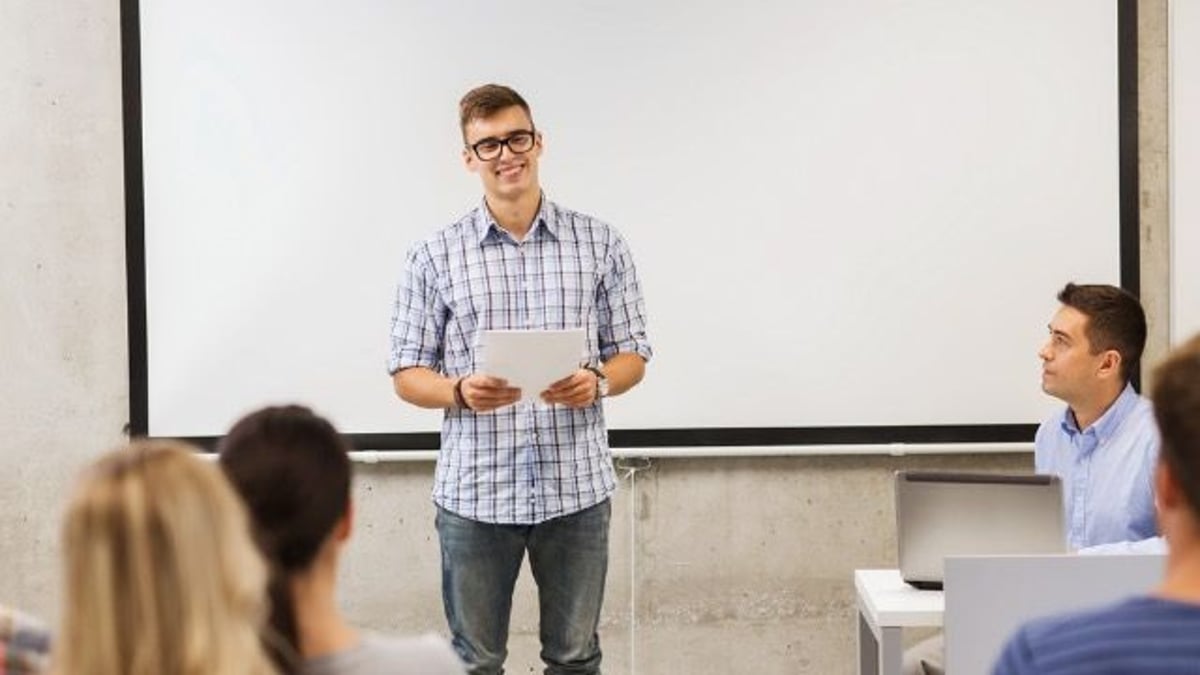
pixel 484 101
pixel 1176 397
pixel 1115 320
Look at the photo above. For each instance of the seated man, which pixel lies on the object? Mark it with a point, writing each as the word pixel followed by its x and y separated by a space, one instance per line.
pixel 1103 444
pixel 1155 633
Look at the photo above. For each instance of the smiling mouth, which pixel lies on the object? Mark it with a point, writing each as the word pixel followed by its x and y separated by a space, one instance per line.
pixel 510 170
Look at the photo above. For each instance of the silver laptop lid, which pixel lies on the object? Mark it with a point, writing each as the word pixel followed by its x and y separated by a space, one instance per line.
pixel 947 513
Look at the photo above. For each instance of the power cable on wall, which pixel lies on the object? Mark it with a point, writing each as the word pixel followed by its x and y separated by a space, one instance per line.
pixel 629 468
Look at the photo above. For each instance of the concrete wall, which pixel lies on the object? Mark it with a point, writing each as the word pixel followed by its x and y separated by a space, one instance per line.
pixel 1154 174
pixel 63 377
pixel 738 565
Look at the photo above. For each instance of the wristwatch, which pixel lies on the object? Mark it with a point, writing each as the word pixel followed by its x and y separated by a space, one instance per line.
pixel 601 381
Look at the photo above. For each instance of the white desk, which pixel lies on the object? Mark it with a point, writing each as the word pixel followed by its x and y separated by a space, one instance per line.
pixel 887 605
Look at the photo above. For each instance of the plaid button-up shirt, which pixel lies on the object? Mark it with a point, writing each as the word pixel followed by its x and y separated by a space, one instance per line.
pixel 529 462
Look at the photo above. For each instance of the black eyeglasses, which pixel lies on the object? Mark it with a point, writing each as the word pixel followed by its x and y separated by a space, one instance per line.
pixel 518 142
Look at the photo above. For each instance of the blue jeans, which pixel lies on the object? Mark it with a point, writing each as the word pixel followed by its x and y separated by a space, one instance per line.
pixel 480 563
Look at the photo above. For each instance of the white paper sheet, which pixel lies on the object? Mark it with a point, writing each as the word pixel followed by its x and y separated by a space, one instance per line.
pixel 531 360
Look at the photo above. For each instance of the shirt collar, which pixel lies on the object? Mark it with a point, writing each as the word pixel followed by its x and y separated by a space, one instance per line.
pixel 544 222
pixel 1110 421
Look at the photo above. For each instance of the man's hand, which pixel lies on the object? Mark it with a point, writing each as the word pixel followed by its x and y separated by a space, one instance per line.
pixel 576 391
pixel 484 393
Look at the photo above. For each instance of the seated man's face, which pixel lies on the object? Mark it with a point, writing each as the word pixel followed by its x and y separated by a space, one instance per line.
pixel 1069 368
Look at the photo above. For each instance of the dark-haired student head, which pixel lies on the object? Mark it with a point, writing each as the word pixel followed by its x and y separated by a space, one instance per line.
pixel 292 469
pixel 1113 322
pixel 1176 397
pixel 1095 340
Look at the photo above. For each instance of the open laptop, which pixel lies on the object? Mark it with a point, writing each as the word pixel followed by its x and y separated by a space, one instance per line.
pixel 944 513
pixel 988 597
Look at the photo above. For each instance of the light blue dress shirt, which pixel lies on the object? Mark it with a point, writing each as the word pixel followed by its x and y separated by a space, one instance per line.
pixel 1107 471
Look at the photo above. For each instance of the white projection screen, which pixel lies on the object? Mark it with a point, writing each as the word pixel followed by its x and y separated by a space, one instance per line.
pixel 1185 168
pixel 845 215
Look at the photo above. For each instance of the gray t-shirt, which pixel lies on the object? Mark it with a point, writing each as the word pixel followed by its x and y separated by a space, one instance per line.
pixel 378 655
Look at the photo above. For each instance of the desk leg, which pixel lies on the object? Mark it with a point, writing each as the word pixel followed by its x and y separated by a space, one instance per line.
pixel 878 655
pixel 868 648
pixel 891 652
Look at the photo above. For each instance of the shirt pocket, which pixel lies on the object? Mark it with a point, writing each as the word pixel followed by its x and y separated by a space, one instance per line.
pixel 569 291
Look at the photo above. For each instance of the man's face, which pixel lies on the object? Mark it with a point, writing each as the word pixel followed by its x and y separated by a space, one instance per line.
pixel 1070 371
pixel 509 174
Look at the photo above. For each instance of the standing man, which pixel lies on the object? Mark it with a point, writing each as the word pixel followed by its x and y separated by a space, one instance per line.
pixel 513 474
pixel 1104 444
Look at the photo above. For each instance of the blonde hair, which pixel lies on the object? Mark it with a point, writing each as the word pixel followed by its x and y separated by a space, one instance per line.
pixel 162 576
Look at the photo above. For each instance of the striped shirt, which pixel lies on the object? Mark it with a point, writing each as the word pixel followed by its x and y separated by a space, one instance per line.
pixel 1107 471
pixel 1144 635
pixel 529 462
pixel 24 643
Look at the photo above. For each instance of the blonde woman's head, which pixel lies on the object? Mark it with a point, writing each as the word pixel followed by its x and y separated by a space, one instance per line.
pixel 162 575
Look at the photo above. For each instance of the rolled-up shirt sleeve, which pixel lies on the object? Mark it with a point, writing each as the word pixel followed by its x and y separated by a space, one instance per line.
pixel 418 316
pixel 621 307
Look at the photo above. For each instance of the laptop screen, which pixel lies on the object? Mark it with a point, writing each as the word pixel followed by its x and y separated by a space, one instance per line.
pixel 947 513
